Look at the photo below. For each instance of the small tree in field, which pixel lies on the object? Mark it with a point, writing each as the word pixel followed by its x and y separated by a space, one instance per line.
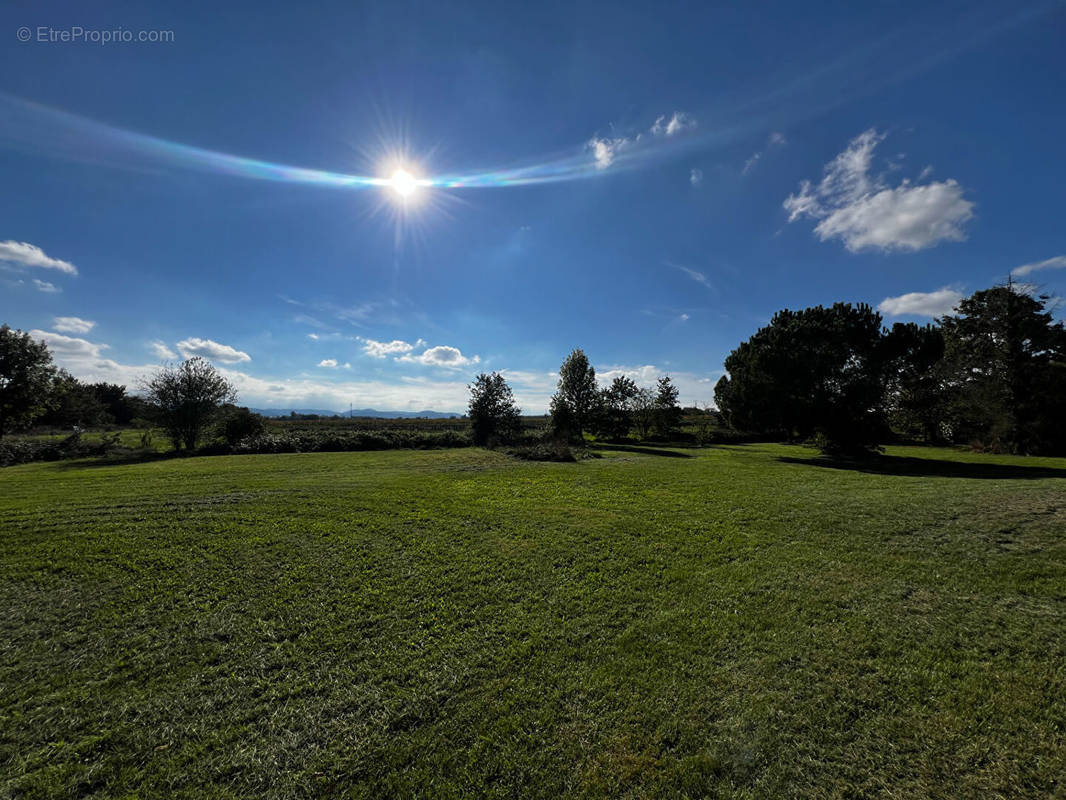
pixel 576 402
pixel 187 398
pixel 26 379
pixel 616 413
pixel 667 409
pixel 643 405
pixel 493 413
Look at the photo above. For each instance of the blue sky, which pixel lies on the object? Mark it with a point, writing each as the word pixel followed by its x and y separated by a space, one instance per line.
pixel 649 182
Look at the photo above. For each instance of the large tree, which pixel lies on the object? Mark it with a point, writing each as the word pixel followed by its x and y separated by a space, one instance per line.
pixel 576 401
pixel 26 379
pixel 187 399
pixel 493 413
pixel 1005 360
pixel 814 371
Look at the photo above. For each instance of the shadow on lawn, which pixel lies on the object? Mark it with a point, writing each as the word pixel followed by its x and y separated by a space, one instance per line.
pixel 648 451
pixel 929 467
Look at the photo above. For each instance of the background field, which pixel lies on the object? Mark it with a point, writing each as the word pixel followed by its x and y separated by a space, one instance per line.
pixel 732 621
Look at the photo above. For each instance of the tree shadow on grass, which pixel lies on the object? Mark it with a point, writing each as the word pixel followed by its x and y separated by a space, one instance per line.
pixel 929 467
pixel 648 451
pixel 119 459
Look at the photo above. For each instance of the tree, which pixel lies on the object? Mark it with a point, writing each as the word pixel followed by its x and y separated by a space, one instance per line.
pixel 1005 362
pixel 616 413
pixel 240 423
pixel 643 406
pixel 577 398
pixel 667 409
pixel 73 403
pixel 812 372
pixel 187 398
pixel 493 413
pixel 26 378
pixel 916 398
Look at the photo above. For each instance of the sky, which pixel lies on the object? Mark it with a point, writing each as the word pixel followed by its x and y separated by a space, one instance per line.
pixel 370 203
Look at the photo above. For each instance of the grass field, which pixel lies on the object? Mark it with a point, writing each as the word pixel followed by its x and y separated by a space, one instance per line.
pixel 742 621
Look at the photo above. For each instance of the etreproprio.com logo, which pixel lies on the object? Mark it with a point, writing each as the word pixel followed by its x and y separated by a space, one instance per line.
pixel 76 34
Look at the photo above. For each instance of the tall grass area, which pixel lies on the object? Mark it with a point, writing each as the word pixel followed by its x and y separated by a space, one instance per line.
pixel 735 621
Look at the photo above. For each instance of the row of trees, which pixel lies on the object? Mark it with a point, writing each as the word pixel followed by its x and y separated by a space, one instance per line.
pixel 186 400
pixel 993 373
pixel 579 406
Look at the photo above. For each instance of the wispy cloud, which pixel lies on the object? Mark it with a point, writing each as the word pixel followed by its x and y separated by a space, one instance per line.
pixel 676 123
pixel 161 351
pixel 694 274
pixel 212 350
pixel 775 139
pixel 860 209
pixel 606 150
pixel 695 177
pixel 30 255
pixel 328 363
pixel 922 304
pixel 1057 262
pixel 46 287
pixel 73 324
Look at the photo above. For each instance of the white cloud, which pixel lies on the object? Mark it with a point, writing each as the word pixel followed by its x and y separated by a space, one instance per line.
pixel 604 151
pixel 211 350
pixel 864 212
pixel 313 336
pixel 777 139
pixel 46 287
pixel 73 324
pixel 922 304
pixel 376 349
pixel 329 363
pixel 684 317
pixel 68 346
pixel 678 122
pixel 441 356
pixel 750 163
pixel 162 352
pixel 1058 262
pixel 695 177
pixel 29 255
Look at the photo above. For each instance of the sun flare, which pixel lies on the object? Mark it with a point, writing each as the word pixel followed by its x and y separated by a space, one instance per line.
pixel 403 183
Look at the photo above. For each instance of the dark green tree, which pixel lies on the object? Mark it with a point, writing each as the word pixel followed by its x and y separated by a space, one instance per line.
pixel 493 413
pixel 616 412
pixel 1006 368
pixel 818 371
pixel 187 398
pixel 74 403
pixel 916 394
pixel 667 409
pixel 26 379
pixel 576 401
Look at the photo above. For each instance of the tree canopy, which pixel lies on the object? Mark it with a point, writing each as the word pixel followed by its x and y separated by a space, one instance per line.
pixel 494 416
pixel 187 398
pixel 26 378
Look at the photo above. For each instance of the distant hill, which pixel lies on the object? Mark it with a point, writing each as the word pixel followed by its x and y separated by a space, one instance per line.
pixel 356 412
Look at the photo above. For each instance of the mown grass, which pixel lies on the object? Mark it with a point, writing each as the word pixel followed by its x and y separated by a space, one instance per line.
pixel 745 621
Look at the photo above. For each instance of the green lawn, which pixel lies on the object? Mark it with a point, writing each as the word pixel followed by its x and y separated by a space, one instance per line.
pixel 729 622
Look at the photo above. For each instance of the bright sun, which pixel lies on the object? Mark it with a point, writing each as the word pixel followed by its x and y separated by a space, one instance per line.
pixel 403 183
